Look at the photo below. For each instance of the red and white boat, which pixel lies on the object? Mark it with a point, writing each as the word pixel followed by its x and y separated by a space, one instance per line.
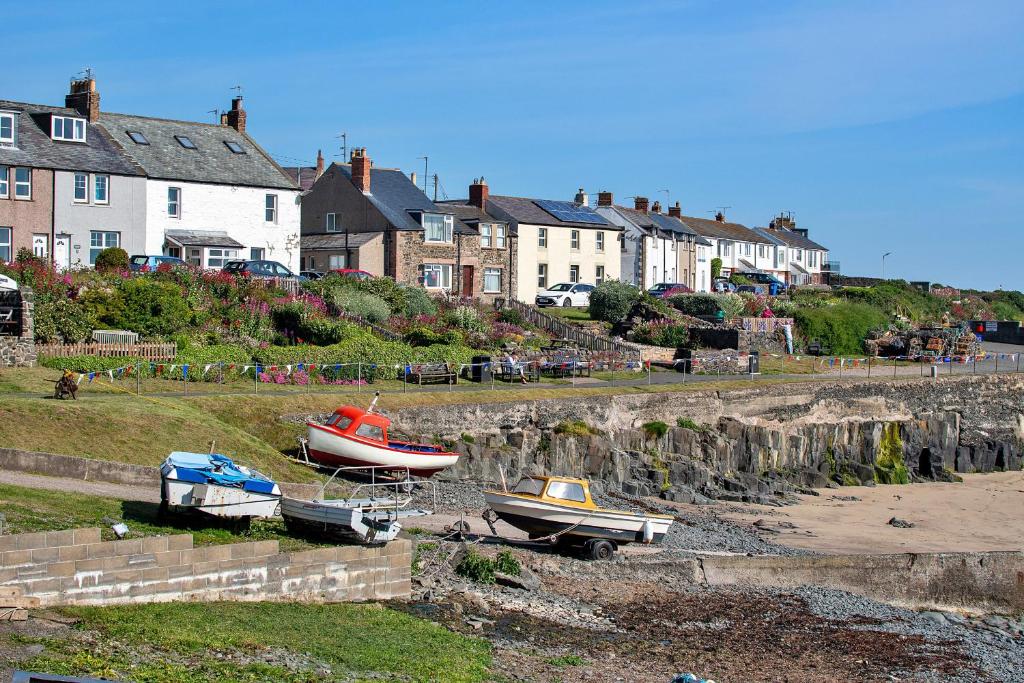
pixel 357 437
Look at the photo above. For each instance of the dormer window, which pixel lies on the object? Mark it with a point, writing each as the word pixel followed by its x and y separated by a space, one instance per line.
pixel 137 137
pixel 68 128
pixel 185 141
pixel 438 227
pixel 6 128
pixel 234 147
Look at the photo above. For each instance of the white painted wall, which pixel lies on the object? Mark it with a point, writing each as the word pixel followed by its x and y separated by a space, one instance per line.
pixel 125 213
pixel 558 255
pixel 236 210
pixel 703 267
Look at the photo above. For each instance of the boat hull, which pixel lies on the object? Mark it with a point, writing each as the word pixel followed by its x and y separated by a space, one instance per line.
pixel 539 518
pixel 332 519
pixel 327 447
pixel 218 501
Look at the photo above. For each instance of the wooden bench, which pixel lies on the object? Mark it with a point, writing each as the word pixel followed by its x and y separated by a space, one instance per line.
pixel 8 323
pixel 507 373
pixel 424 373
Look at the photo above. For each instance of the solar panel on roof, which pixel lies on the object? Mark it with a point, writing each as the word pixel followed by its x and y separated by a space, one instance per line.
pixel 571 212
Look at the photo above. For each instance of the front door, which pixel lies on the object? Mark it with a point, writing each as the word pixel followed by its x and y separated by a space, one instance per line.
pixel 40 245
pixel 62 251
pixel 467 281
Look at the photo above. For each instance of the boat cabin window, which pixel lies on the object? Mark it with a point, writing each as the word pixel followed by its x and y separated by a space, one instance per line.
pixel 370 432
pixel 532 487
pixel 567 491
pixel 340 421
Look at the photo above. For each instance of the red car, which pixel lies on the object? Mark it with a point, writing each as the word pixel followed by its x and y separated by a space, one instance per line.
pixel 352 272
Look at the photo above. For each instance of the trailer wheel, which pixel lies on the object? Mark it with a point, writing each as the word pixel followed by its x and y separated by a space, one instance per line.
pixel 600 549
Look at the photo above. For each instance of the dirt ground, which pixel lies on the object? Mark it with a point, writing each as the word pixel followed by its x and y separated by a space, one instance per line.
pixel 982 513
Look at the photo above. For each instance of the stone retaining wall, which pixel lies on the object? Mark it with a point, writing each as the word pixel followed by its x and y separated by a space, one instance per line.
pixel 75 567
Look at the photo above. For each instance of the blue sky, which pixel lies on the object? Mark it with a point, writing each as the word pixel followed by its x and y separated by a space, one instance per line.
pixel 885 126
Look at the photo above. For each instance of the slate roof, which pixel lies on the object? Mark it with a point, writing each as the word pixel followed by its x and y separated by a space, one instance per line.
pixel 724 230
pixel 395 195
pixel 303 176
pixel 211 162
pixel 203 238
pixel 35 147
pixel 673 224
pixel 336 240
pixel 523 210
pixel 471 215
pixel 789 238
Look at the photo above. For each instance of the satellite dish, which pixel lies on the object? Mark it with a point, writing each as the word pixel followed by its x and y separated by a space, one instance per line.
pixel 7 283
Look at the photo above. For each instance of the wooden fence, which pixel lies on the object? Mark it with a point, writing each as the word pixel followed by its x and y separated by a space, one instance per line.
pixel 564 330
pixel 146 351
pixel 765 325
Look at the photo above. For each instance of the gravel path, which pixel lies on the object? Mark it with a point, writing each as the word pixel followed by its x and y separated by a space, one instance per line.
pixel 92 488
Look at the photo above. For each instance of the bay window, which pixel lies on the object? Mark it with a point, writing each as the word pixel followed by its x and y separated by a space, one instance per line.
pixel 492 280
pixel 437 275
pixel 100 240
pixel 438 228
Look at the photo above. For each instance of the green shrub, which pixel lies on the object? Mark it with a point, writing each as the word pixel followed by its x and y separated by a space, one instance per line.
pixel 695 304
pixel 738 279
pixel 326 331
pixel 385 288
pixel 214 353
pixel 368 306
pixel 466 318
pixel 506 563
pixel 687 423
pixel 661 333
pixel 841 327
pixel 511 316
pixel 442 353
pixel 655 429
pixel 732 303
pixel 716 268
pixel 611 300
pixel 61 320
pixel 113 259
pixel 152 308
pixel 476 567
pixel 468 438
pixel 418 302
pixel 85 364
pixel 574 428
pixel 425 336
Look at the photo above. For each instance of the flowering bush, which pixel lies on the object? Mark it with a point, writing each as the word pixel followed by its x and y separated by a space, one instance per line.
pixel 661 333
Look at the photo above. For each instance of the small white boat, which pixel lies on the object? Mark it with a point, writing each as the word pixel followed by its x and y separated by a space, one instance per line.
pixel 214 485
pixel 370 519
pixel 561 509
pixel 356 437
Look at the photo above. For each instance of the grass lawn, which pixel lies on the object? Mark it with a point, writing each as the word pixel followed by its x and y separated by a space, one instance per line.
pixel 221 642
pixel 27 510
pixel 570 314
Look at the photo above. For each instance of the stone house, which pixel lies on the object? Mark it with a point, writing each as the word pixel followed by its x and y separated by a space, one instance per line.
pixel 378 220
pixel 557 241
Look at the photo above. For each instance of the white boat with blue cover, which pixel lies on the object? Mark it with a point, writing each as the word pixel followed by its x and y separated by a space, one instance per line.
pixel 215 485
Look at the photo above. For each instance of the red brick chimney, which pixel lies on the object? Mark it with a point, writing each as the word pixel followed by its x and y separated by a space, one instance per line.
pixel 675 211
pixel 640 204
pixel 236 116
pixel 361 165
pixel 478 193
pixel 720 217
pixel 319 164
pixel 656 208
pixel 84 99
pixel 604 198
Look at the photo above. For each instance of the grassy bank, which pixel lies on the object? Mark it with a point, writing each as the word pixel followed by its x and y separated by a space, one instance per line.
pixel 221 642
pixel 26 510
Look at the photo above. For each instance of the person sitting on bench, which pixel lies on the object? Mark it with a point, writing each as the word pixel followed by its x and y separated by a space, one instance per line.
pixel 514 367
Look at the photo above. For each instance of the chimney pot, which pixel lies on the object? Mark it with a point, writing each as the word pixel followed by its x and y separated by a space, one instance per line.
pixel 604 198
pixel 478 193
pixel 319 163
pixel 581 198
pixel 675 211
pixel 361 166
pixel 236 116
pixel 640 204
pixel 720 217
pixel 84 99
pixel 656 208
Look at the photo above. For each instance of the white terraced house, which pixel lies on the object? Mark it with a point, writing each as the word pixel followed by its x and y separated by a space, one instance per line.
pixel 741 249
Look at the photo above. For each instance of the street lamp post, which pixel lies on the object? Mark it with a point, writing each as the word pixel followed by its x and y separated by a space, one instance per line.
pixel 888 253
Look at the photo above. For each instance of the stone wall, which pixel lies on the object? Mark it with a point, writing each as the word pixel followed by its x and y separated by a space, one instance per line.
pixel 20 351
pixel 75 568
pixel 465 251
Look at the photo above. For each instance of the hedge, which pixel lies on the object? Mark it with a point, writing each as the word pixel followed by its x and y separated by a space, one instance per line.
pixel 842 327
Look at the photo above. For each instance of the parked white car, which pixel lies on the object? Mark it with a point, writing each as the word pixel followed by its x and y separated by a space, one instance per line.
pixel 565 294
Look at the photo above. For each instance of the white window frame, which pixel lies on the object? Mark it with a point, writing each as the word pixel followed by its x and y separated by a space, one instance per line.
pixel 492 273
pixel 485 235
pixel 574 240
pixel 599 241
pixel 800 255
pixel 598 274
pixel 5 182
pixel 812 259
pixel 216 257
pixel 337 261
pixel 256 253
pixel 574 273
pixel 176 202
pixel 173 251
pixel 6 239
pixel 542 275
pixel 762 251
pixel 96 189
pixel 443 278
pixel 19 183
pixel 500 235
pixel 80 182
pixel 270 208
pixel 104 243
pixel 9 138
pixel 78 128
pixel 331 222
pixel 542 238
pixel 447 228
